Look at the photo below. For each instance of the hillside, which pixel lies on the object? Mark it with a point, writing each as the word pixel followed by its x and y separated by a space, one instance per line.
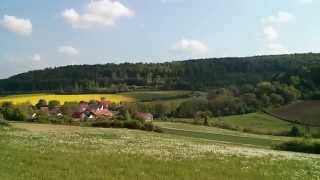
pixel 40 151
pixel 191 74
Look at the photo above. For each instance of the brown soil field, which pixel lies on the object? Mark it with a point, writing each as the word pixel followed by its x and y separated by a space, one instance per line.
pixel 305 112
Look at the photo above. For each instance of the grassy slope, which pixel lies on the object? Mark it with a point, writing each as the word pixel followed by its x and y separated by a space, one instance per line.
pixel 223 138
pixel 260 122
pixel 62 152
pixel 222 135
pixel 255 121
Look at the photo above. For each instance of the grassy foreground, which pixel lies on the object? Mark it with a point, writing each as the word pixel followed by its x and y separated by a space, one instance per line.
pixel 61 152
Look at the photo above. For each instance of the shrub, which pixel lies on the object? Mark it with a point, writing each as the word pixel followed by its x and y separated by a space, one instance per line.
pixel 85 124
pixel 157 129
pixel 133 124
pixel 306 146
pixel 148 126
pixel 3 123
pixel 223 125
pixel 41 103
pixel 13 114
pixel 103 124
pixel 69 108
pixel 189 108
pixel 53 104
pixel 117 124
pixel 43 117
pixel 295 132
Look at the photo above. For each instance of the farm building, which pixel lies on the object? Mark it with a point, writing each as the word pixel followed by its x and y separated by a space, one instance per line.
pixel 143 116
pixel 97 110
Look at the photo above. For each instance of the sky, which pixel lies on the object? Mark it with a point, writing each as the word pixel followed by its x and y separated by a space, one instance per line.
pixel 36 34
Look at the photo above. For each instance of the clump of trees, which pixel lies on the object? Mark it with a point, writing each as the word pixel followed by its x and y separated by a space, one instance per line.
pixel 161 110
pixel 129 124
pixel 190 108
pixel 16 113
pixel 2 121
pixel 248 98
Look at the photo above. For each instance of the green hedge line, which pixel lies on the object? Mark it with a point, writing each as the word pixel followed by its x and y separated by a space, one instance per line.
pixel 305 146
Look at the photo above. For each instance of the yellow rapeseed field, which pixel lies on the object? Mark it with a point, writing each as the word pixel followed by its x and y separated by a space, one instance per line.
pixel 34 98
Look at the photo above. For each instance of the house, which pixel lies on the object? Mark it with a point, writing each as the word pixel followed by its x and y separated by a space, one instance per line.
pixel 105 103
pixel 87 114
pixel 103 113
pixel 76 115
pixel 59 115
pixel 39 112
pixel 34 116
pixel 83 106
pixel 143 116
pixel 96 110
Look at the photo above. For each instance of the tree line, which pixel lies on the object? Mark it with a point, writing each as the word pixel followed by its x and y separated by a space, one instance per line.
pixel 200 74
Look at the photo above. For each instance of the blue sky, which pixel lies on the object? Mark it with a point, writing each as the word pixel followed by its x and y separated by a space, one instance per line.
pixel 42 33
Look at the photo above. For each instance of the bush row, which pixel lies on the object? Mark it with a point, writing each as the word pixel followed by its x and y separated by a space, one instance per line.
pixel 305 146
pixel 293 132
pixel 130 124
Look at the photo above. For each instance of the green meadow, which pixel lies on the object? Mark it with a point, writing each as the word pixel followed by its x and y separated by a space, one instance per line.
pixel 54 152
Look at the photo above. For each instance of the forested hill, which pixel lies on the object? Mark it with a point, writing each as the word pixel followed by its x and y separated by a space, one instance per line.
pixel 191 74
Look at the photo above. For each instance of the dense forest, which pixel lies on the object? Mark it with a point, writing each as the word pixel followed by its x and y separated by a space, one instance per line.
pixel 199 74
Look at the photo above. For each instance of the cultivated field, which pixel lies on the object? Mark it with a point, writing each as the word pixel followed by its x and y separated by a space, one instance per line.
pixel 121 97
pixel 34 98
pixel 258 123
pixel 155 95
pixel 306 112
pixel 33 151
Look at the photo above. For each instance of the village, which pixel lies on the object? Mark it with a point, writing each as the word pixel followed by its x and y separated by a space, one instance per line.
pixel 94 110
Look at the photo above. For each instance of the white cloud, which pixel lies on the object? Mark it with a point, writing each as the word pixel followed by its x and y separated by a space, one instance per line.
pixel 17 25
pixel 68 50
pixel 270 33
pixel 271 36
pixel 191 46
pixel 36 57
pixel 281 17
pixel 98 12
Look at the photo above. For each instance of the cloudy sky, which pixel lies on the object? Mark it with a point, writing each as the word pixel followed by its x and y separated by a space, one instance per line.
pixel 44 33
